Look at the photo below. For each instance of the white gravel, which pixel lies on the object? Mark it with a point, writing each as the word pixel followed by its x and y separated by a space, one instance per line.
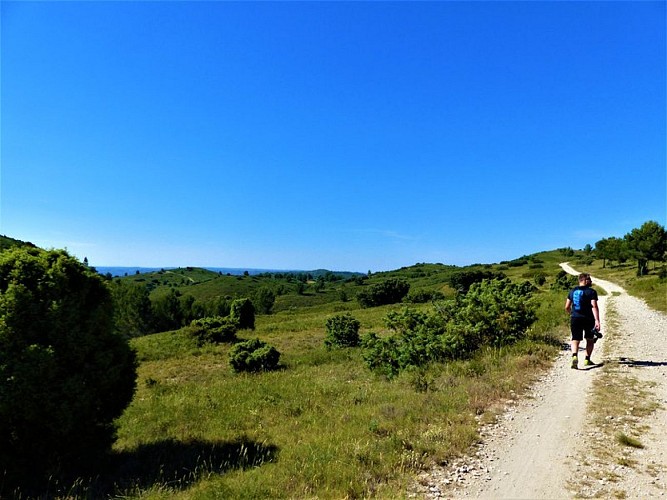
pixel 538 449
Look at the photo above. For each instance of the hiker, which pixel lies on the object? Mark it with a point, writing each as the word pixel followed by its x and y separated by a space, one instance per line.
pixel 582 305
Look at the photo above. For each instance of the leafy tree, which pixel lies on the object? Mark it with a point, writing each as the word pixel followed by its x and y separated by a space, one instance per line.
pixel 342 331
pixel 243 313
pixel 219 306
pixel 132 309
pixel 612 249
pixel 649 242
pixel 65 376
pixel 264 299
pixel 167 312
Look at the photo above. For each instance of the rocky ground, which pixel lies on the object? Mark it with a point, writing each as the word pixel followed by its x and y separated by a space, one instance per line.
pixel 550 444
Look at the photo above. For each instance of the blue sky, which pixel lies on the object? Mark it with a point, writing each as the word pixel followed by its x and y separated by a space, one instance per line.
pixel 340 135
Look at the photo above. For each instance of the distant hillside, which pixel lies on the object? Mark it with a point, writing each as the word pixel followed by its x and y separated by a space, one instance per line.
pixel 233 271
pixel 7 242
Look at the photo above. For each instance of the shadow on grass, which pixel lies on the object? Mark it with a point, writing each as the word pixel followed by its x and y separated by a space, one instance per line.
pixel 179 464
pixel 172 465
pixel 169 464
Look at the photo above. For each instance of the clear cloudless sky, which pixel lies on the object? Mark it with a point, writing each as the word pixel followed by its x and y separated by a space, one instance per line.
pixel 351 136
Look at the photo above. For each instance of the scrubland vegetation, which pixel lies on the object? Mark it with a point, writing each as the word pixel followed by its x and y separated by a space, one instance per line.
pixel 326 386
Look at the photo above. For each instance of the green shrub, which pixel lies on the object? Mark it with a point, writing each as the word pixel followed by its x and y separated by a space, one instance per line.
pixel 461 281
pixel 243 312
pixel 423 296
pixel 492 313
pixel 390 291
pixel 564 281
pixel 495 312
pixel 253 356
pixel 342 331
pixel 65 375
pixel 213 330
pixel 264 299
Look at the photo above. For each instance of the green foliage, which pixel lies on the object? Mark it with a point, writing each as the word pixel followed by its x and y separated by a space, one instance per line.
pixel 263 300
pixel 390 291
pixel 65 376
pixel 566 252
pixel 133 314
pixel 243 313
pixel 342 331
pixel 613 249
pixel 493 313
pixel 213 330
pixel 540 278
pixel 253 356
pixel 564 281
pixel 167 312
pixel 463 280
pixel 424 296
pixel 649 242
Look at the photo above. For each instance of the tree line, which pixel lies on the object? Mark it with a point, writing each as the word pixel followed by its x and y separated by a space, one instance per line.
pixel 645 244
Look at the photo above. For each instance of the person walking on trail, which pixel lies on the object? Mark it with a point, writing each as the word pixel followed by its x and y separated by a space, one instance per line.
pixel 582 306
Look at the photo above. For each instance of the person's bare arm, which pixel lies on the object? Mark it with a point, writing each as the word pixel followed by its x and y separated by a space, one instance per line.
pixel 568 305
pixel 596 313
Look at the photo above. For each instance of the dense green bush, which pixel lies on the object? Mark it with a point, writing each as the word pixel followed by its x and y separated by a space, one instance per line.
pixel 564 281
pixel 492 313
pixel 213 330
pixel 133 315
pixel 461 281
pixel 253 356
pixel 390 291
pixel 264 299
pixel 495 312
pixel 342 331
pixel 423 296
pixel 65 375
pixel 243 313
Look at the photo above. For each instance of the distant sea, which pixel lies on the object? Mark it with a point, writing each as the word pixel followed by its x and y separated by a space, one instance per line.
pixel 127 271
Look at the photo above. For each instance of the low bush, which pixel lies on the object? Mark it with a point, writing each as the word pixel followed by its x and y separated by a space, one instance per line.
pixel 493 313
pixel 342 331
pixel 424 296
pixel 253 356
pixel 390 291
pixel 213 330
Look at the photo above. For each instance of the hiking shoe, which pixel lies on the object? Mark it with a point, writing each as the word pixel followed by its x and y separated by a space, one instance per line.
pixel 588 362
pixel 575 363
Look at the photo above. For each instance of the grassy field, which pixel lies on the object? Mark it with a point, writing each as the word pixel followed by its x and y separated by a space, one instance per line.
pixel 323 426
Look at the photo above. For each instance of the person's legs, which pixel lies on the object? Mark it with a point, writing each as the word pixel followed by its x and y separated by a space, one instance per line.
pixel 577 336
pixel 590 341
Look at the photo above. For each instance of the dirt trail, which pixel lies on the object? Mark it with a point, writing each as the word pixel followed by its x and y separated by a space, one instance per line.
pixel 537 449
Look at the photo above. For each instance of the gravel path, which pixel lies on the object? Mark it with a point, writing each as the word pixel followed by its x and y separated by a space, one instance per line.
pixel 540 447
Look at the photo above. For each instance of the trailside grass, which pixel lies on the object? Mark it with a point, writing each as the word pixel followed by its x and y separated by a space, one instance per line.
pixel 323 426
pixel 650 287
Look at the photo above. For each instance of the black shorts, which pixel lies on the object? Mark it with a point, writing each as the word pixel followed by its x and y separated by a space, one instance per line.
pixel 582 327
